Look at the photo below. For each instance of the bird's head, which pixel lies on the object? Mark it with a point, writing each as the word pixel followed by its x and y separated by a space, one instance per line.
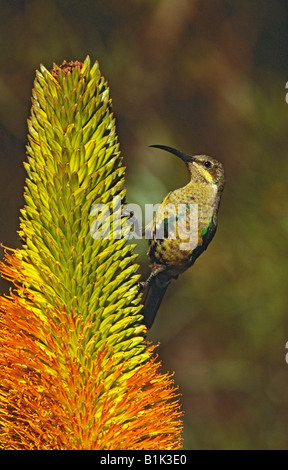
pixel 201 167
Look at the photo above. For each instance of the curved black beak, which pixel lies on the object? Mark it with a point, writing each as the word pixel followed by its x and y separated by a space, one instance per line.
pixel 178 153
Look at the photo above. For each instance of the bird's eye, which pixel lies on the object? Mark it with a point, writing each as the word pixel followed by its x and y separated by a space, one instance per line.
pixel 207 164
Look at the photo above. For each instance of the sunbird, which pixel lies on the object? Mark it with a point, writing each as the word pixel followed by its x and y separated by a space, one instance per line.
pixel 167 257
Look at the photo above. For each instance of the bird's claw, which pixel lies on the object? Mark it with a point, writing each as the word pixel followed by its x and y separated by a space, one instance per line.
pixel 141 286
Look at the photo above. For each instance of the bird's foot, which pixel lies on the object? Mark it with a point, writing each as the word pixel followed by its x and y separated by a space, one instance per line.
pixel 132 220
pixel 142 286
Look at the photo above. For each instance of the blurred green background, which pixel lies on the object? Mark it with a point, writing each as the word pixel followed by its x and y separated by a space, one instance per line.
pixel 204 77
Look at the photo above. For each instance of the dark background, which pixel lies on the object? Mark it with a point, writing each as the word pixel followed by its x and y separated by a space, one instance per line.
pixel 205 77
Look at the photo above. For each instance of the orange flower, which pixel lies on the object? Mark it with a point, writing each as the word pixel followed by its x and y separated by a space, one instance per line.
pixel 54 396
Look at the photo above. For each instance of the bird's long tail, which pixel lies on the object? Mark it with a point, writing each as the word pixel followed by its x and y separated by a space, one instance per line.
pixel 153 298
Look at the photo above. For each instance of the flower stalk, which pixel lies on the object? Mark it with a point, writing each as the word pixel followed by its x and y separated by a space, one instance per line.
pixel 76 371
